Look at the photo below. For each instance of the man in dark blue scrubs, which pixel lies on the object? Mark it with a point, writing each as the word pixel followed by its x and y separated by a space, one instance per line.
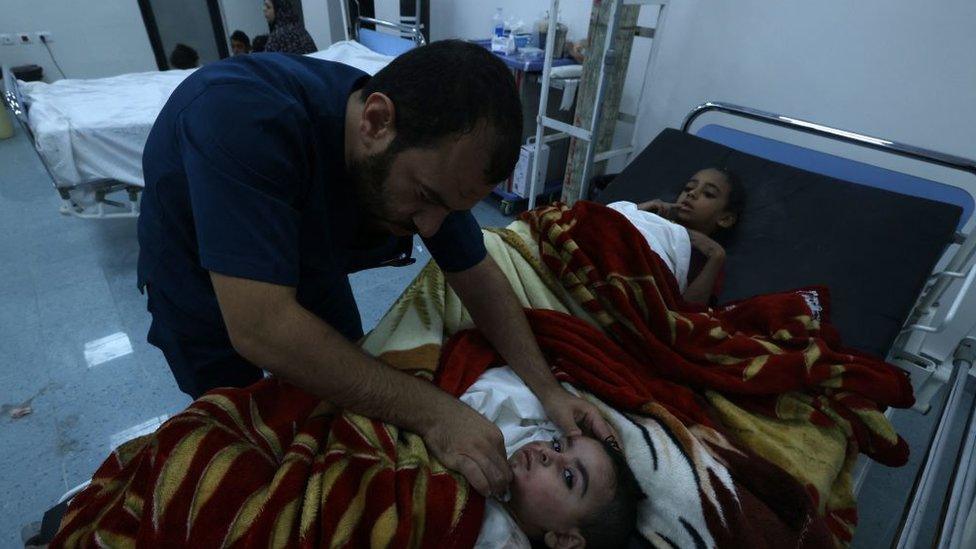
pixel 269 177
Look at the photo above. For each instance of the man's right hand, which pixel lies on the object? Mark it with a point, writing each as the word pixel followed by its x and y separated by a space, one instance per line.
pixel 466 442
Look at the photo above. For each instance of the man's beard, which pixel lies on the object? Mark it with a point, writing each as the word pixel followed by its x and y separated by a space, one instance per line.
pixel 369 178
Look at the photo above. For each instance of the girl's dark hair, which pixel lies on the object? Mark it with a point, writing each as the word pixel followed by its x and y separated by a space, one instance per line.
pixel 613 525
pixel 737 191
pixel 736 204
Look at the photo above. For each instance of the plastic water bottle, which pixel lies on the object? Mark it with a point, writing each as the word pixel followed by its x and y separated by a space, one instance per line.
pixel 498 23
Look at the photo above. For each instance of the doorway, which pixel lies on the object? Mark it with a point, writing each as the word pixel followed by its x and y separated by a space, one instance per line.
pixel 193 27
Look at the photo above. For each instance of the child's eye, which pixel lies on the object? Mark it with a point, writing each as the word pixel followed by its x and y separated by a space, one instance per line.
pixel 556 445
pixel 568 477
pixel 710 195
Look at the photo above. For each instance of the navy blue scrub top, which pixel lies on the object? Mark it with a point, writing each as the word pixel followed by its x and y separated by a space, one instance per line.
pixel 245 176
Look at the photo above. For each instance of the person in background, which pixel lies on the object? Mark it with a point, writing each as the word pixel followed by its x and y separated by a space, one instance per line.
pixel 184 57
pixel 288 34
pixel 259 43
pixel 240 43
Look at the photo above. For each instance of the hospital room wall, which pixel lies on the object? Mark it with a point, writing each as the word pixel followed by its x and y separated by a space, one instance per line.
pixel 895 69
pixel 317 21
pixel 90 39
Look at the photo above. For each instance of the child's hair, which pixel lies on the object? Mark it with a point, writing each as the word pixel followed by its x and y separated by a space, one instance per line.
pixel 614 523
pixel 241 37
pixel 183 57
pixel 736 203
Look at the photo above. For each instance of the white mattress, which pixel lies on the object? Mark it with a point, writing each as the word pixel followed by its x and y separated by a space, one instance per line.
pixel 87 130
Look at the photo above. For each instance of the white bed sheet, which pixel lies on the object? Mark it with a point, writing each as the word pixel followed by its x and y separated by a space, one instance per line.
pixel 87 130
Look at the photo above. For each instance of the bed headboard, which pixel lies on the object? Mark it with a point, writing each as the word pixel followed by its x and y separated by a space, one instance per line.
pixel 12 96
pixel 833 166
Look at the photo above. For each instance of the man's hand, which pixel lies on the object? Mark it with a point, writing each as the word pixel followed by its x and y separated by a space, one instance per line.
pixel 466 442
pixel 659 207
pixel 706 245
pixel 574 416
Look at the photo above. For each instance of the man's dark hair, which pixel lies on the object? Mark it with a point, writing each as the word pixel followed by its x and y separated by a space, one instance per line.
pixel 260 41
pixel 448 88
pixel 183 57
pixel 241 37
pixel 613 524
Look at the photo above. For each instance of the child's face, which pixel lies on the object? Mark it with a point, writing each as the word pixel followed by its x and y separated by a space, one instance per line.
pixel 702 204
pixel 555 485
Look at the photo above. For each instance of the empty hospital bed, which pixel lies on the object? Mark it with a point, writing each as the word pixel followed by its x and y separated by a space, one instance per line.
pixel 89 133
pixel 896 251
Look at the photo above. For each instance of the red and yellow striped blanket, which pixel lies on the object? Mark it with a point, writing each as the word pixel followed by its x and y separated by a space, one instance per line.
pixel 271 466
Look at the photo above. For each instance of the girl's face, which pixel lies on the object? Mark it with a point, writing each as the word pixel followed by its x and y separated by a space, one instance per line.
pixel 269 13
pixel 555 485
pixel 703 203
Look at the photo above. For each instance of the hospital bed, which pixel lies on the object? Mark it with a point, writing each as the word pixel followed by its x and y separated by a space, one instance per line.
pixel 89 134
pixel 896 250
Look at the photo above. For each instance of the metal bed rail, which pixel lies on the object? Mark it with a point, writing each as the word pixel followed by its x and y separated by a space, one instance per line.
pixel 353 24
pixel 945 455
pixel 924 317
pixel 101 188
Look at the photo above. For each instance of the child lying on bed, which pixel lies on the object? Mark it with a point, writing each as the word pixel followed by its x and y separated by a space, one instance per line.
pixel 708 208
pixel 565 492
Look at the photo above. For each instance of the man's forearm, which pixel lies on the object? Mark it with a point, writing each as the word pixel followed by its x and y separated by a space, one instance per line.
pixel 497 312
pixel 302 349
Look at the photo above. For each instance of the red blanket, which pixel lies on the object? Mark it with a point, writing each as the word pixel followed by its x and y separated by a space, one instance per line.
pixel 774 355
pixel 753 351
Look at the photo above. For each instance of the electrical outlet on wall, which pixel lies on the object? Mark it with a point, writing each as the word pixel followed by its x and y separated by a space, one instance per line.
pixel 24 38
pixel 7 40
pixel 44 37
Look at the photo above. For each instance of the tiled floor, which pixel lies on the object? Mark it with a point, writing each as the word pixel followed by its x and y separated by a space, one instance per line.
pixel 66 283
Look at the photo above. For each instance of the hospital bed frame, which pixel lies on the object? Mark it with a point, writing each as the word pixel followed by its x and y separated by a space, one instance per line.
pixel 382 42
pixel 101 189
pixel 932 362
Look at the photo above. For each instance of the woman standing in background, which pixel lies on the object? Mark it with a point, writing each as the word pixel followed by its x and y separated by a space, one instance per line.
pixel 288 34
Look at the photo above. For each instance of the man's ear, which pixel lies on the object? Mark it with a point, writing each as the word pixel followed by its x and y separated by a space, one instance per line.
pixel 378 124
pixel 727 219
pixel 570 539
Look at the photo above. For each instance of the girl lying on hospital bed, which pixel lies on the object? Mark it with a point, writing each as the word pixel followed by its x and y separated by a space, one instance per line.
pixel 687 233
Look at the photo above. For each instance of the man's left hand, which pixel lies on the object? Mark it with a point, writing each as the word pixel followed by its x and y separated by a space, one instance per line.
pixel 575 416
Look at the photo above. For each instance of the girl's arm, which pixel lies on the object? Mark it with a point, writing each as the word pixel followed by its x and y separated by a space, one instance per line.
pixel 700 289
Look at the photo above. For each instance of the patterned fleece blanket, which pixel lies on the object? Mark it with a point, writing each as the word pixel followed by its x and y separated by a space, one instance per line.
pixel 741 422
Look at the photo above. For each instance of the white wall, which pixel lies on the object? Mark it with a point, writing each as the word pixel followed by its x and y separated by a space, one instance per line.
pixel 316 13
pixel 896 69
pixel 91 39
pixel 245 15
